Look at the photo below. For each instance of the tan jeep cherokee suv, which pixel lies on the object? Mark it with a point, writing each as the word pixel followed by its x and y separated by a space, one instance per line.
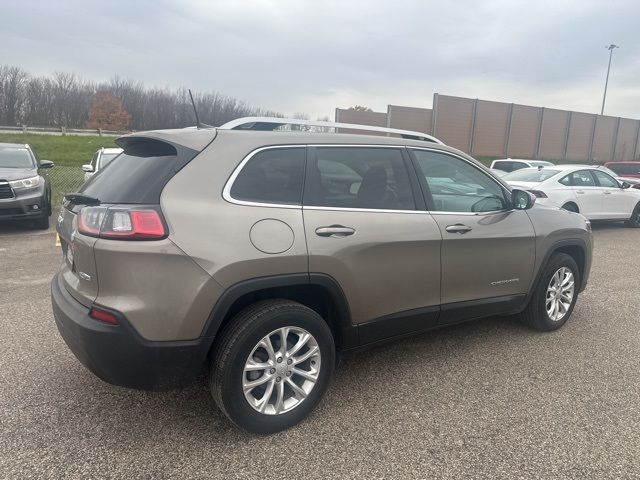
pixel 256 255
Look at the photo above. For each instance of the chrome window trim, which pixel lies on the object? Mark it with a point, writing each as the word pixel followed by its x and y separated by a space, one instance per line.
pixel 226 192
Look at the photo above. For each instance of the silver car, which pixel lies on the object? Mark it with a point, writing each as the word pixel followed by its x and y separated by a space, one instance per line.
pixel 257 255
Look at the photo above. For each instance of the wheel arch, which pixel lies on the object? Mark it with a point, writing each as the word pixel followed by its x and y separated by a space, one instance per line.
pixel 317 291
pixel 572 202
pixel 576 249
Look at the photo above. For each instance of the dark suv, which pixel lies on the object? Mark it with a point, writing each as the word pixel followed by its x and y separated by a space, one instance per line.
pixel 260 254
pixel 24 193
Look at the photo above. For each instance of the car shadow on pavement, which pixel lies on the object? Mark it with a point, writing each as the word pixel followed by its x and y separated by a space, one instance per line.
pixel 136 416
pixel 26 227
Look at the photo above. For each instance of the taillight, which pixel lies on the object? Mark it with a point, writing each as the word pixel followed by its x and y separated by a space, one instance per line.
pixel 118 223
pixel 539 194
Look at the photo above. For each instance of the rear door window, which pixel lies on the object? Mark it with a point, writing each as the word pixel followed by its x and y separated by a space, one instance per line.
pixel 358 177
pixel 581 178
pixel 274 175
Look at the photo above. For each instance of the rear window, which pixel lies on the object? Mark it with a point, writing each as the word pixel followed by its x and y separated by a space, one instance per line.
pixel 623 169
pixel 139 174
pixel 530 175
pixel 106 158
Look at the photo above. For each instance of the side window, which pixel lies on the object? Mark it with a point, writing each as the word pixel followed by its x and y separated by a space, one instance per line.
pixel 272 176
pixel 605 180
pixel 518 166
pixel 94 160
pixel 566 181
pixel 581 178
pixel 358 177
pixel 457 186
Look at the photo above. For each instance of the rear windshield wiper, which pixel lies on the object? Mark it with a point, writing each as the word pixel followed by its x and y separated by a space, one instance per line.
pixel 81 199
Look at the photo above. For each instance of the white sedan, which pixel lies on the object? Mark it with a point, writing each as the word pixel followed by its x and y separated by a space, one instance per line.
pixel 588 190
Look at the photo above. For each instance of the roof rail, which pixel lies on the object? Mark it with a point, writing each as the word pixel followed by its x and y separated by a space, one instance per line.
pixel 271 123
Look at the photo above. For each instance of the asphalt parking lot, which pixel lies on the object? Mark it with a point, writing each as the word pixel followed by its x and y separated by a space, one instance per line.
pixel 489 399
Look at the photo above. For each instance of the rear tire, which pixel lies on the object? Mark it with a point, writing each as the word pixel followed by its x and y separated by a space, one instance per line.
pixel 571 207
pixel 294 386
pixel 634 221
pixel 560 273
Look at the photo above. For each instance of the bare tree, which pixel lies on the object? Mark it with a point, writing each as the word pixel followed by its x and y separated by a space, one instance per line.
pixel 64 100
pixel 12 94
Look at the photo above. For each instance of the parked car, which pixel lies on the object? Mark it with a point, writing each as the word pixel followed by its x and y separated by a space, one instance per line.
pixel 589 190
pixel 512 164
pixel 261 254
pixel 101 159
pixel 498 173
pixel 24 193
pixel 625 169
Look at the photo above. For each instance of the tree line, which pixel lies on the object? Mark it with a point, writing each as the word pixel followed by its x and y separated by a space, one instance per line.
pixel 65 100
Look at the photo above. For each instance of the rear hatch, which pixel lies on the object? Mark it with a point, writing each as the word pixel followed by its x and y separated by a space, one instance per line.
pixel 129 185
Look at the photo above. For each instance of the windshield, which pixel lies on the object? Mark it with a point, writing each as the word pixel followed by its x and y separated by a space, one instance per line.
pixel 530 175
pixel 15 158
pixel 106 158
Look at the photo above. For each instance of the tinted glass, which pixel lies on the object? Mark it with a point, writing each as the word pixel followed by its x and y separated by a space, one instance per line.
pixel 623 169
pixel 505 166
pixel 537 163
pixel 605 180
pixel 581 178
pixel 272 176
pixel 358 177
pixel 530 175
pixel 457 186
pixel 139 174
pixel 106 158
pixel 15 158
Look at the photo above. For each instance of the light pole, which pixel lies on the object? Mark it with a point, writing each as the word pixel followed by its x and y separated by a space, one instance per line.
pixel 606 83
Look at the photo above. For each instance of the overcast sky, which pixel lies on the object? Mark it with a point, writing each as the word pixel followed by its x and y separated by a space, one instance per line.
pixel 314 55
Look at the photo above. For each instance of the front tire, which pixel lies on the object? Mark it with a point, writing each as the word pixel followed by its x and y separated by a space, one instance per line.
pixel 272 365
pixel 634 221
pixel 555 296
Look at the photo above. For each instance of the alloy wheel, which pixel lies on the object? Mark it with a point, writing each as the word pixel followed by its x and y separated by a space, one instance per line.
pixel 560 294
pixel 281 370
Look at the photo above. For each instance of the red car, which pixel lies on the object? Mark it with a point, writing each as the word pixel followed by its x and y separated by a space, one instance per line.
pixel 625 169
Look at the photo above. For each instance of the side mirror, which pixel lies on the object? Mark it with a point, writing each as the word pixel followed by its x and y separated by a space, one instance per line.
pixel 521 199
pixel 46 164
pixel 87 168
pixel 625 185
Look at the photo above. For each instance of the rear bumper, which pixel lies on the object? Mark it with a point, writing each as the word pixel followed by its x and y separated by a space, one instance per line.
pixel 22 206
pixel 118 355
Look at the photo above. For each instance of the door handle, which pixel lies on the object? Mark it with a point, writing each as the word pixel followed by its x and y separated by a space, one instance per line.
pixel 458 228
pixel 607 193
pixel 335 231
pixel 580 192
